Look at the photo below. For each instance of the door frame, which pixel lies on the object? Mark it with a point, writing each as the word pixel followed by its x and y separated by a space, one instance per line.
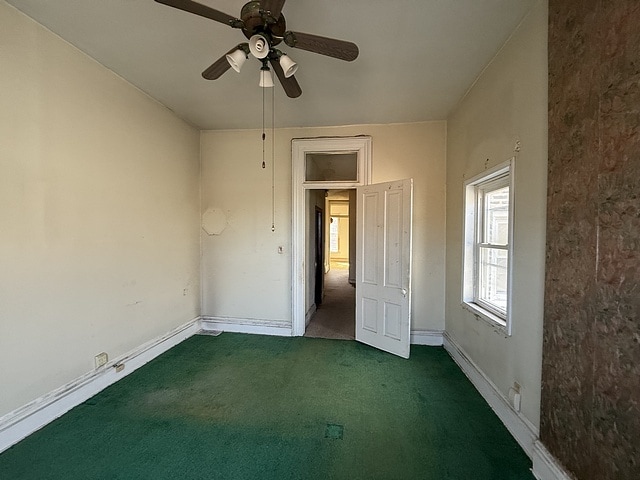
pixel 360 145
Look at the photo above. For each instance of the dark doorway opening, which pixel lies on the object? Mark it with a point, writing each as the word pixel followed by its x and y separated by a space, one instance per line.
pixel 319 260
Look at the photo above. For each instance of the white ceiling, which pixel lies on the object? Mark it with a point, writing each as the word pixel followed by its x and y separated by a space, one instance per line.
pixel 417 57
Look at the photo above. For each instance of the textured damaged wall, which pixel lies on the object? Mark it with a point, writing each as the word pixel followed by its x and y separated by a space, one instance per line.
pixel 590 417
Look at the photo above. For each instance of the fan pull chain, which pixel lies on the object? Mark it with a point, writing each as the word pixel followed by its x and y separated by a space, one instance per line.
pixel 264 135
pixel 273 162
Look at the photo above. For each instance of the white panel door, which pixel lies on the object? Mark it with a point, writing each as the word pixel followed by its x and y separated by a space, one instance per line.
pixel 383 266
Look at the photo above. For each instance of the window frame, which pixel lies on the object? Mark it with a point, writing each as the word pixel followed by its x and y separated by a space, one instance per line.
pixel 475 190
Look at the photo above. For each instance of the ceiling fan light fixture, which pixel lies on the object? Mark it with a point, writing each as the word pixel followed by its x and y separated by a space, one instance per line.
pixel 263 23
pixel 259 46
pixel 266 79
pixel 288 66
pixel 236 59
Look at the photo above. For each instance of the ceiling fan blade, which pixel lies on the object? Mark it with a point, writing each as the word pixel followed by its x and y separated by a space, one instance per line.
pixel 290 85
pixel 324 46
pixel 218 67
pixel 203 11
pixel 272 6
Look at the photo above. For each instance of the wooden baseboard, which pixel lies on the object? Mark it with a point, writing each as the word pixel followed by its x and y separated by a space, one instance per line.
pixel 520 428
pixel 246 325
pixel 433 338
pixel 545 465
pixel 25 420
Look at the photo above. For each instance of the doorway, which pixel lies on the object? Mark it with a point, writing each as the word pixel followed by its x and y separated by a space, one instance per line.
pixel 383 239
pixel 319 165
pixel 333 314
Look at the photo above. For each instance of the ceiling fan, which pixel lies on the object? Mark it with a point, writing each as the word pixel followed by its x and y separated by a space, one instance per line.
pixel 263 23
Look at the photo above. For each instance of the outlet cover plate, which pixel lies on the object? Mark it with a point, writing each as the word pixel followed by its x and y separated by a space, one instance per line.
pixel 101 359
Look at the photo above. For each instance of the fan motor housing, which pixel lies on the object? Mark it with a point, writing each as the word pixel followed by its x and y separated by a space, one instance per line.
pixel 258 21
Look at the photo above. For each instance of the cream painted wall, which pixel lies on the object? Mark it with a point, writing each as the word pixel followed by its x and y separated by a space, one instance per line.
pixel 508 103
pixel 244 277
pixel 99 214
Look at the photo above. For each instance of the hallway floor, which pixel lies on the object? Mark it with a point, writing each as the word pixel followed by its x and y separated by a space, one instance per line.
pixel 335 318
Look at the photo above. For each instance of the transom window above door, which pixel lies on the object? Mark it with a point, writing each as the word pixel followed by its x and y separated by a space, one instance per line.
pixel 331 167
pixel 336 162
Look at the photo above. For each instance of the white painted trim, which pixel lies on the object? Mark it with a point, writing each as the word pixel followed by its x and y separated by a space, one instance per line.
pixel 433 338
pixel 545 465
pixel 22 422
pixel 299 147
pixel 525 433
pixel 253 326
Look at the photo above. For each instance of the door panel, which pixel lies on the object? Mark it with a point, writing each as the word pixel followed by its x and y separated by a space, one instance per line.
pixel 393 320
pixel 393 240
pixel 369 237
pixel 369 308
pixel 383 277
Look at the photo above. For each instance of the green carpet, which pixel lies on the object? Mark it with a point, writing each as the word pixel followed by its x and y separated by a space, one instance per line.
pixel 254 407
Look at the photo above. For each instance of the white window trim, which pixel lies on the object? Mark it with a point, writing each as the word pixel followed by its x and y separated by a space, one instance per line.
pixel 468 253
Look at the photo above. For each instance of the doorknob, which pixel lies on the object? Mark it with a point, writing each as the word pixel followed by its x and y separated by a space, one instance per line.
pixel 404 292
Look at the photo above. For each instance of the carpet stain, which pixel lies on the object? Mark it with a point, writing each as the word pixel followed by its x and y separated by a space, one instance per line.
pixel 334 432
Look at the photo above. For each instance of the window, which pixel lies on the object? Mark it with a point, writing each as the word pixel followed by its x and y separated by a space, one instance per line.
pixel 488 245
pixel 331 167
pixel 334 229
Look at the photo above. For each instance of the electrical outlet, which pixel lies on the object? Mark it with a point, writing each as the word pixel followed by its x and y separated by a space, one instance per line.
pixel 101 359
pixel 515 397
